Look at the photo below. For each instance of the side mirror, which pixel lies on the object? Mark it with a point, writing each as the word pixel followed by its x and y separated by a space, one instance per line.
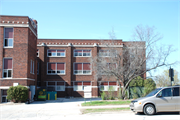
pixel 159 96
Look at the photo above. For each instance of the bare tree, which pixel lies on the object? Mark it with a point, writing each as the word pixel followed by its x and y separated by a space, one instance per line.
pixel 163 79
pixel 135 58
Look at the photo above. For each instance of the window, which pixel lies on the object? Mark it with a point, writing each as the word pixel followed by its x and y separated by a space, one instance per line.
pixel 32 67
pixel 79 86
pixel 165 92
pixel 108 53
pixel 56 86
pixel 4 95
pixel 104 53
pixel 82 53
pixel 176 91
pixel 82 68
pixel 8 37
pixel 105 86
pixel 7 70
pixel 60 86
pixel 37 52
pixel 56 68
pixel 56 53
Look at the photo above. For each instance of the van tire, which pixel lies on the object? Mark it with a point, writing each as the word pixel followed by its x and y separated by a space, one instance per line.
pixel 149 109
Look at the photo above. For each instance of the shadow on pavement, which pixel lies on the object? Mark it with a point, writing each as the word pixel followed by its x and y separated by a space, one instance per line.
pixel 63 100
pixel 162 113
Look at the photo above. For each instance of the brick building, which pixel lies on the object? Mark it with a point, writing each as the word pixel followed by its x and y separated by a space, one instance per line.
pixel 60 65
pixel 18 39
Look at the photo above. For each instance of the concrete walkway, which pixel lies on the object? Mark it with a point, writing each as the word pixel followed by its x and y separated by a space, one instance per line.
pixel 105 106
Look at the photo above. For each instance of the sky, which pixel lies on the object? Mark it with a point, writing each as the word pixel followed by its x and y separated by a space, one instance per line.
pixel 94 19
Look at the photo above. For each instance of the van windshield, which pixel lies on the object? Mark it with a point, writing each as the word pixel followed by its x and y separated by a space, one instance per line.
pixel 153 92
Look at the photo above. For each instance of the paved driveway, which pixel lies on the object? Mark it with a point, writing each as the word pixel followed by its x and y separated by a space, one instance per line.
pixel 69 109
pixel 44 110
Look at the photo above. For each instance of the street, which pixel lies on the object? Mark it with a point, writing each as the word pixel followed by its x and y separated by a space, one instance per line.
pixel 66 109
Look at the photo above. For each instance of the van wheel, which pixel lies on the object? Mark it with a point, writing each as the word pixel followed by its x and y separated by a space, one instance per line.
pixel 149 109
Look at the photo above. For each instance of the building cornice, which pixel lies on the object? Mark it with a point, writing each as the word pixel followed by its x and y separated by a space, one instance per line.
pixel 19 25
pixel 71 45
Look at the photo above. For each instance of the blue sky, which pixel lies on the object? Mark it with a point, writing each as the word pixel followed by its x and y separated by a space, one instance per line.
pixel 93 19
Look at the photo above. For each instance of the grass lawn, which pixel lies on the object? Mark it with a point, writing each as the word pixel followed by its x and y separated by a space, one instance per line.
pixel 85 111
pixel 98 103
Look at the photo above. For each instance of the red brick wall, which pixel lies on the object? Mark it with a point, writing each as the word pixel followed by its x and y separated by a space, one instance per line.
pixel 1 50
pixel 24 48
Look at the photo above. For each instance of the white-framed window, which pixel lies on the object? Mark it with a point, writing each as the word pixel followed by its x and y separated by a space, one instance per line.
pixel 55 68
pixel 38 68
pixel 56 85
pixel 7 67
pixel 79 86
pixel 32 67
pixel 37 52
pixel 4 95
pixel 82 53
pixel 55 53
pixel 105 86
pixel 82 68
pixel 8 37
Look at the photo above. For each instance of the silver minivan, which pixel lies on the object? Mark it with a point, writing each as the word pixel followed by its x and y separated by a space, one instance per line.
pixel 166 99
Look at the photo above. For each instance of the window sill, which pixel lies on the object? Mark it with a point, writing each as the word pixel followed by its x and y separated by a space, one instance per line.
pixel 8 47
pixel 82 74
pixel 56 74
pixel 79 90
pixel 56 56
pixel 7 78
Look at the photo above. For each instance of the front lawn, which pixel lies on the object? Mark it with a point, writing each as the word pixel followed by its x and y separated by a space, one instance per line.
pixel 99 103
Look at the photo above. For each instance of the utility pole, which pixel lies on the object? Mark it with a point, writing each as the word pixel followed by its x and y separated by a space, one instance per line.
pixel 171 74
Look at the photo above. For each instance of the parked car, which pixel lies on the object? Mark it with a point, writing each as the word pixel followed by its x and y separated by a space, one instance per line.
pixel 166 99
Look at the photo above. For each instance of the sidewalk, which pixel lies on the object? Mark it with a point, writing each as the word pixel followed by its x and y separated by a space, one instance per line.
pixel 105 106
pixel 78 102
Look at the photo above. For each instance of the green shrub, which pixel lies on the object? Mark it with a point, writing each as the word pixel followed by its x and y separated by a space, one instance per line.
pixel 137 82
pixel 111 94
pixel 139 87
pixel 149 85
pixel 17 94
pixel 103 95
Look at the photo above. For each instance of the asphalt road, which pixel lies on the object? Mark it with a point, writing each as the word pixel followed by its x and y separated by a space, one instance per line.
pixel 69 109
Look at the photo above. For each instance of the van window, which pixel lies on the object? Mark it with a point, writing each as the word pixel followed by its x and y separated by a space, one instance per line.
pixel 166 92
pixel 153 92
pixel 176 91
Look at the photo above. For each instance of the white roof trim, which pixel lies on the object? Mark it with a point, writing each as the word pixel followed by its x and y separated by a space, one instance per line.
pixel 18 25
pixel 17 79
pixel 54 45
